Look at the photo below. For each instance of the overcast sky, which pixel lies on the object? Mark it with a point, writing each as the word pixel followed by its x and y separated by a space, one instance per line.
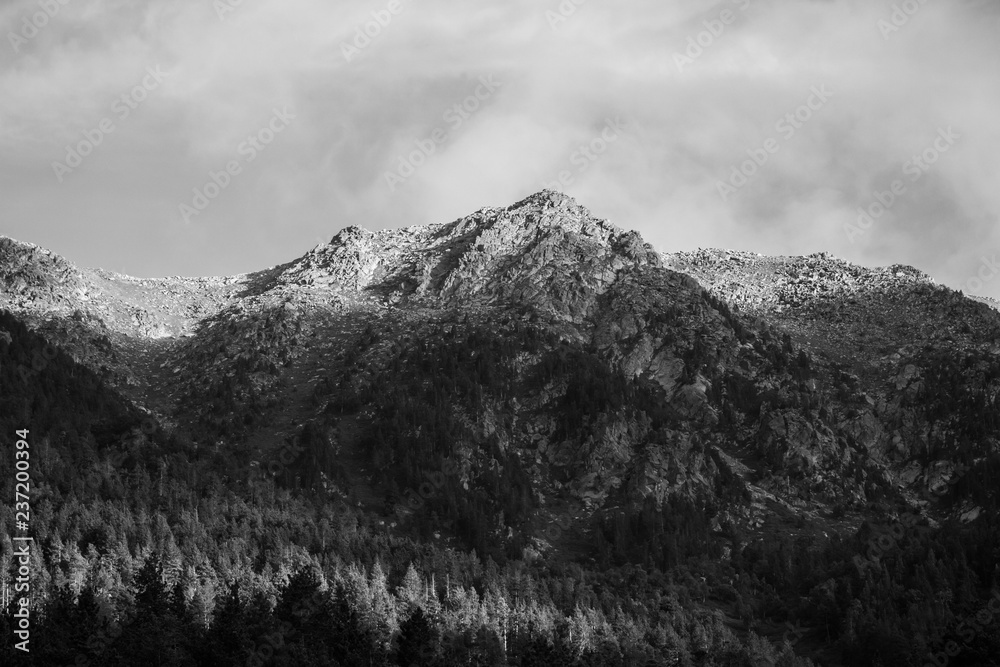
pixel 114 112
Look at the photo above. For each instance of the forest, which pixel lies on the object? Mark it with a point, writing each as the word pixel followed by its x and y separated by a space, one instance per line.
pixel 154 549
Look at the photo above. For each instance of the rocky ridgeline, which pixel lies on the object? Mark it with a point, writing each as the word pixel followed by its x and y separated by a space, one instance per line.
pixel 37 282
pixel 767 284
pixel 497 254
pixel 43 286
pixel 518 253
pixel 879 334
pixel 852 313
pixel 715 396
pixel 35 278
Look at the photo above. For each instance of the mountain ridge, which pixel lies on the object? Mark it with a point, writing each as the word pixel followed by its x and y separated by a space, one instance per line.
pixel 544 260
pixel 546 211
pixel 571 394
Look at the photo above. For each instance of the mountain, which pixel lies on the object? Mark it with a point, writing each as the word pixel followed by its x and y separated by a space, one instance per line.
pixel 774 446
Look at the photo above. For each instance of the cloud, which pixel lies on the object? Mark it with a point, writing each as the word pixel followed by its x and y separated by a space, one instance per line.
pixel 688 126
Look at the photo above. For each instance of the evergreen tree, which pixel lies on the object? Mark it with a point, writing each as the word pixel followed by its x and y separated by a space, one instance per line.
pixel 418 641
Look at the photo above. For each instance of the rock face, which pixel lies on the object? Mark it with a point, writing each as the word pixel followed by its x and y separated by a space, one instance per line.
pixel 883 334
pixel 540 349
pixel 546 248
pixel 867 316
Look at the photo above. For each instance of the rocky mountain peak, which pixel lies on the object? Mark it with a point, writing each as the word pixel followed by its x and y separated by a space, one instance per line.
pixel 532 382
pixel 31 274
pixel 350 234
pixel 494 253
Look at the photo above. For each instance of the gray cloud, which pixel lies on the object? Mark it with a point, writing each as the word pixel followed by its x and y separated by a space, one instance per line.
pixel 685 127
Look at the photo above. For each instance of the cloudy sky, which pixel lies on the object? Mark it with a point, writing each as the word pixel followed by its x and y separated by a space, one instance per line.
pixel 749 124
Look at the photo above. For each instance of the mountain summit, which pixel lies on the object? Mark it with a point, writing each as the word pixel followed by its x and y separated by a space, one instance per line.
pixel 492 255
pixel 570 393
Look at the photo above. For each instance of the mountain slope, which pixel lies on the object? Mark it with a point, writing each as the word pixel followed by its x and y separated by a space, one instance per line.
pixel 539 386
pixel 820 413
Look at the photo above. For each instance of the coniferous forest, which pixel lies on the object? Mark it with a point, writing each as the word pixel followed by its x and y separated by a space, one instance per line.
pixel 151 548
pixel 554 333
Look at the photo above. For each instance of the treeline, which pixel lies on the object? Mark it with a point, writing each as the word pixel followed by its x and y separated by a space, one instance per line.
pixel 152 550
pixel 351 616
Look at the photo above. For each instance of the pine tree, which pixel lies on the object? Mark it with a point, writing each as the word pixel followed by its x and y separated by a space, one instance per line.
pixel 385 621
pixel 410 593
pixel 152 634
pixel 228 639
pixel 418 641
